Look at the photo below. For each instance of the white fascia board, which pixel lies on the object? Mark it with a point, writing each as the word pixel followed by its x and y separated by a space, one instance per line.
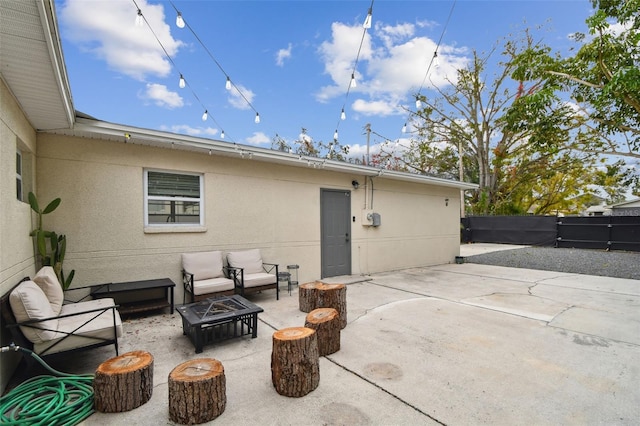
pixel 217 147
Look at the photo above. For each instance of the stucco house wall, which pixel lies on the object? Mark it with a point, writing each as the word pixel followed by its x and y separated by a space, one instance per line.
pixel 248 204
pixel 16 249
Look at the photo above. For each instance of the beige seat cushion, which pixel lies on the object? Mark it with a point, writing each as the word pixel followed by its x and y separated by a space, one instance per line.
pixel 212 285
pixel 203 265
pixel 249 260
pixel 48 281
pixel 100 327
pixel 28 302
pixel 261 278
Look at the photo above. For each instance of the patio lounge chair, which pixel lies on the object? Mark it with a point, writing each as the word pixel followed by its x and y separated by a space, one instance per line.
pixel 40 319
pixel 204 275
pixel 251 274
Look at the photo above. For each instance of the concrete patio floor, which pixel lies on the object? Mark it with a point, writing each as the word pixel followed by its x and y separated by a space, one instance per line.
pixel 448 344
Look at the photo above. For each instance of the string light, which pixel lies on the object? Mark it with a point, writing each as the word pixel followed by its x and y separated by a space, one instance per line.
pixel 367 21
pixel 404 128
pixel 205 115
pixel 352 83
pixel 222 135
pixel 434 62
pixel 182 83
pixel 179 21
pixel 229 84
pixel 139 19
pixel 335 135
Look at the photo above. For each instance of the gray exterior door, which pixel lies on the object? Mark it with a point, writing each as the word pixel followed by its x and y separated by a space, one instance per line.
pixel 335 238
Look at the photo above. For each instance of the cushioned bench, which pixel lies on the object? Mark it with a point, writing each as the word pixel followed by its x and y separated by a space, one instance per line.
pixel 38 318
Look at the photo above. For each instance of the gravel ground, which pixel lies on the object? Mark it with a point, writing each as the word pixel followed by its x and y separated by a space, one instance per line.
pixel 617 264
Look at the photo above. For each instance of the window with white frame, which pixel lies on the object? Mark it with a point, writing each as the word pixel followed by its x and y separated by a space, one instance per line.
pixel 19 183
pixel 173 198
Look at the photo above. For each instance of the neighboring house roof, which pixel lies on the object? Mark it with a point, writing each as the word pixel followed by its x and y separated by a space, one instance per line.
pixel 626 204
pixel 32 64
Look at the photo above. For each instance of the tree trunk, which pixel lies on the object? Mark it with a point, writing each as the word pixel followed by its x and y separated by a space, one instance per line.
pixel 334 296
pixel 308 296
pixel 124 382
pixel 197 391
pixel 295 367
pixel 326 323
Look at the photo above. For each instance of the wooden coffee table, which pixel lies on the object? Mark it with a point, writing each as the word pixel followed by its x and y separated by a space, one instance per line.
pixel 215 319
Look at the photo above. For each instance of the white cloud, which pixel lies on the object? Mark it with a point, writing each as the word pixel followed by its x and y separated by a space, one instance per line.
pixel 161 96
pixel 236 100
pixel 258 138
pixel 378 108
pixel 338 56
pixel 189 130
pixel 107 29
pixel 392 65
pixel 283 54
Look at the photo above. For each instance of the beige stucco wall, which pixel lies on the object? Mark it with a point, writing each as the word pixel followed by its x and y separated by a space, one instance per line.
pixel 16 249
pixel 247 204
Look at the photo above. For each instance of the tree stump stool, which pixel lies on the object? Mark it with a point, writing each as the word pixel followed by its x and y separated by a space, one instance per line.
pixel 308 296
pixel 123 383
pixel 197 391
pixel 295 367
pixel 326 323
pixel 334 296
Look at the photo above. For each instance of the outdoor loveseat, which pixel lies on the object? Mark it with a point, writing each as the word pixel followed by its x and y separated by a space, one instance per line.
pixel 38 317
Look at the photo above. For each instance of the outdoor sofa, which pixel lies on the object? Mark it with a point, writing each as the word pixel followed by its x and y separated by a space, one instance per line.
pixel 41 320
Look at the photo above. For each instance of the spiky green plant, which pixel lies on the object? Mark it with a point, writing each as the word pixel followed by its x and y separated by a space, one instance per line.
pixel 53 255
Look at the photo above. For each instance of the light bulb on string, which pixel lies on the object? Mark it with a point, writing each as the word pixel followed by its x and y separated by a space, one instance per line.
pixel 436 61
pixel 343 116
pixel 222 135
pixel 182 83
pixel 418 103
pixel 139 19
pixel 367 21
pixel 353 80
pixel 228 84
pixel 404 128
pixel 205 115
pixel 179 21
pixel 335 135
pixel 257 120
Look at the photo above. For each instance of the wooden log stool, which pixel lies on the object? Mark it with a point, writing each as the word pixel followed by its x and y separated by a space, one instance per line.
pixel 326 323
pixel 123 383
pixel 308 296
pixel 334 296
pixel 295 367
pixel 197 391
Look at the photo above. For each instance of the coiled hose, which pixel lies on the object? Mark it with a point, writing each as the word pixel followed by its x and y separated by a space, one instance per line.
pixel 47 400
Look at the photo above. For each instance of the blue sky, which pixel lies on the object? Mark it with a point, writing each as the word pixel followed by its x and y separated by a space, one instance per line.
pixel 292 61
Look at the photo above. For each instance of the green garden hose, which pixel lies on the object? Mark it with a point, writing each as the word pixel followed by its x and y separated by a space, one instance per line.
pixel 47 400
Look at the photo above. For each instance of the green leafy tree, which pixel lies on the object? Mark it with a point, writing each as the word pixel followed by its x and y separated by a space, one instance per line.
pixel 596 87
pixel 306 146
pixel 520 168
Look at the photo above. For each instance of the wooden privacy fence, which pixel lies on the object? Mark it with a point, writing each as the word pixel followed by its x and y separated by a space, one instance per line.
pixel 597 232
